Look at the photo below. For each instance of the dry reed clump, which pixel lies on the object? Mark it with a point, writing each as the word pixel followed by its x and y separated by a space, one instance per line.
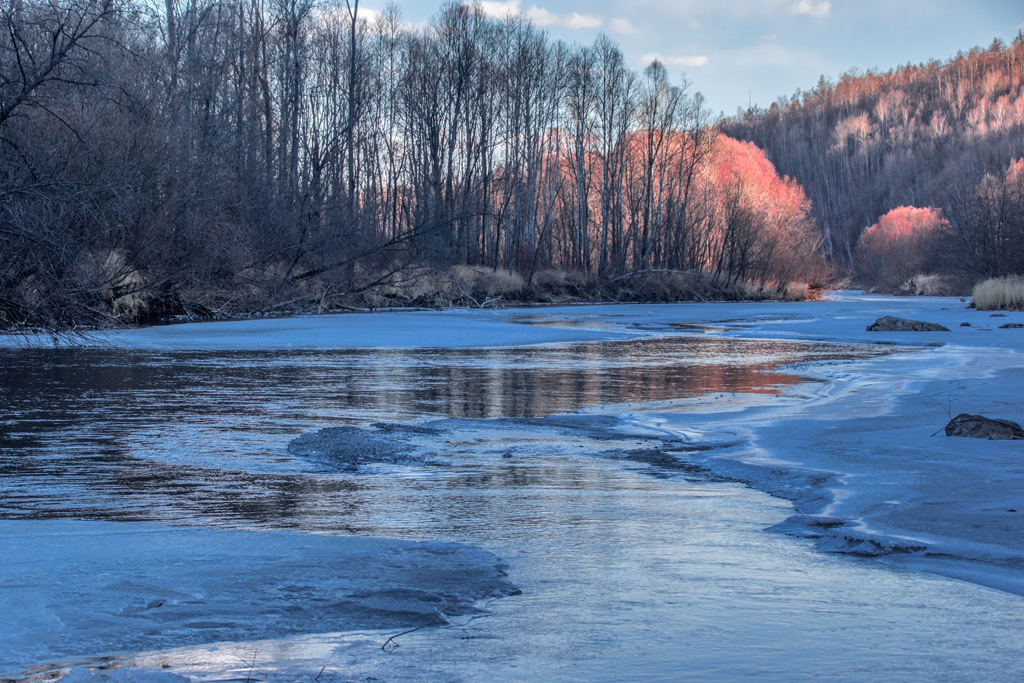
pixel 262 288
pixel 555 286
pixel 797 291
pixel 419 287
pixel 120 288
pixel 1000 294
pixel 481 286
pixel 427 287
pixel 656 286
pixel 31 292
pixel 725 288
pixel 669 285
pixel 934 285
pixel 550 279
pixel 722 288
pixel 503 283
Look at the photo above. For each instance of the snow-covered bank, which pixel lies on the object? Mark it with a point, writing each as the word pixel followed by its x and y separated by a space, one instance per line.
pixel 863 457
pixel 455 328
pixel 72 588
pixel 630 562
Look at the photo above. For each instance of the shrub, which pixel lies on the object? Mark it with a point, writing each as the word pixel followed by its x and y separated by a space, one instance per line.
pixel 552 285
pixel 902 245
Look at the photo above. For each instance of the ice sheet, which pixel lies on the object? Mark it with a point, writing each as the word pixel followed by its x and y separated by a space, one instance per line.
pixel 864 459
pixel 861 456
pixel 70 588
pixel 406 329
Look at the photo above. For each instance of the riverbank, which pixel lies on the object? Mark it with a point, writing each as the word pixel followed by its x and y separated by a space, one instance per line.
pixel 452 290
pixel 628 561
pixel 863 456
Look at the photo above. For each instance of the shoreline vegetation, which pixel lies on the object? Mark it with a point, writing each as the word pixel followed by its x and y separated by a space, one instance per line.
pixel 999 294
pixel 466 287
pixel 204 159
pixel 455 288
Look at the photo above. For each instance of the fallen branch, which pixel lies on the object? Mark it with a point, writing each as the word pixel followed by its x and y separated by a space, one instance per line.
pixel 432 620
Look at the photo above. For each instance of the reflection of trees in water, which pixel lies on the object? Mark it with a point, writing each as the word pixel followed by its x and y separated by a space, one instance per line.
pixel 113 486
pixel 98 433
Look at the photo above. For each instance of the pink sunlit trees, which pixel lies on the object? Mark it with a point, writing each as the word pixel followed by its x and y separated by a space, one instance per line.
pixel 901 245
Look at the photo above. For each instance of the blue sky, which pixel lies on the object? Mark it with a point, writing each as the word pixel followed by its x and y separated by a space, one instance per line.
pixel 740 51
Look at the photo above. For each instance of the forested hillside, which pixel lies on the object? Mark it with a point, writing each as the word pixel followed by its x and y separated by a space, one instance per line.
pixel 941 135
pixel 230 156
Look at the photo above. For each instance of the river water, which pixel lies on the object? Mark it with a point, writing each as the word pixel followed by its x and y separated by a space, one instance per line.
pixel 631 568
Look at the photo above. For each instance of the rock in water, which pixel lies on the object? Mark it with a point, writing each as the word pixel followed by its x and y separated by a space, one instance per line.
pixel 890 323
pixel 1011 326
pixel 978 427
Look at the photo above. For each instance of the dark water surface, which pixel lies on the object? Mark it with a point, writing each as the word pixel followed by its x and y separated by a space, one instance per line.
pixel 167 436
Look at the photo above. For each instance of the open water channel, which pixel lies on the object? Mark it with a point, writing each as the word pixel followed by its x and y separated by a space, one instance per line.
pixel 632 566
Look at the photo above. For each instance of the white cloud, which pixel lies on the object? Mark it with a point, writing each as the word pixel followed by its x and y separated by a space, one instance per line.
pixel 540 16
pixel 811 8
pixel 683 62
pixel 370 15
pixel 544 18
pixel 624 26
pixel 496 8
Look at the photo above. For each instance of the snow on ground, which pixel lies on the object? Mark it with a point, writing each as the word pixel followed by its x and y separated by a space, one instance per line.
pixel 402 329
pixel 864 457
pixel 861 455
pixel 68 587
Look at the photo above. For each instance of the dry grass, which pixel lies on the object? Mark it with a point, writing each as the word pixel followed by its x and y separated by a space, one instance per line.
pixel 480 287
pixel 474 281
pixel 119 286
pixel 932 285
pixel 798 291
pixel 1000 294
pixel 426 287
pixel 663 285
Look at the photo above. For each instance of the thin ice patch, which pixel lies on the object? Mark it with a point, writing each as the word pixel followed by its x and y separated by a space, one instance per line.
pixel 350 448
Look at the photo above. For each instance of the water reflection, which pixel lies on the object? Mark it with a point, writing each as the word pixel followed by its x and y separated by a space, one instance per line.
pixel 48 387
pixel 163 436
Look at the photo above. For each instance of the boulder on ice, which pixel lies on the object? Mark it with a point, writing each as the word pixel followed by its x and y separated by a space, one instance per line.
pixel 979 427
pixel 890 323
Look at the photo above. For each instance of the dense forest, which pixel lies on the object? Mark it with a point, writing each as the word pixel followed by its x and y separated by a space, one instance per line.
pixel 206 157
pixel 942 137
pixel 224 157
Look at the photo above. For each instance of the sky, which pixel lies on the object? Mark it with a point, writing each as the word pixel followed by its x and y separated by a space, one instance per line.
pixel 742 52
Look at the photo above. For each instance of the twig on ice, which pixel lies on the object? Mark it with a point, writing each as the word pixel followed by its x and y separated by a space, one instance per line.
pixel 432 620
pixel 248 676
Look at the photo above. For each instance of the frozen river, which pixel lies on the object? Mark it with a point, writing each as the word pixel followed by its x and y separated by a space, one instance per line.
pixel 630 563
pixel 166 436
